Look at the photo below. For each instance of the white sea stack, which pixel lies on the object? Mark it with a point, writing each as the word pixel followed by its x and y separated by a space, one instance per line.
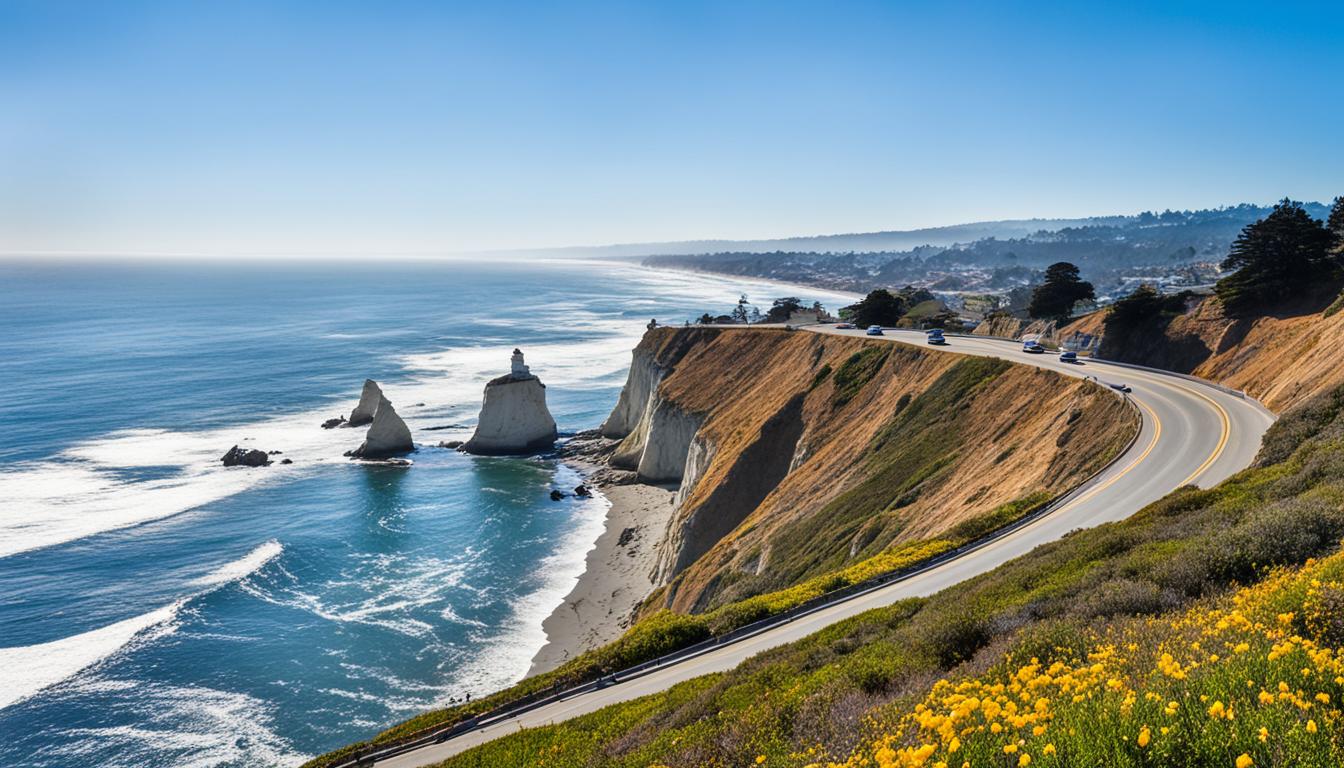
pixel 514 417
pixel 388 435
pixel 368 405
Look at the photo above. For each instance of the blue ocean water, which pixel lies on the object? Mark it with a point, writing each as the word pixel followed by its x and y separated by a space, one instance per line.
pixel 159 609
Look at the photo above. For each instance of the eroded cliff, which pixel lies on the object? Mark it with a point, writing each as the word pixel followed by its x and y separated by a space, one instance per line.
pixel 799 453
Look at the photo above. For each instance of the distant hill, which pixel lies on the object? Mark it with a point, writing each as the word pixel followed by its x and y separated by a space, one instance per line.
pixel 1107 249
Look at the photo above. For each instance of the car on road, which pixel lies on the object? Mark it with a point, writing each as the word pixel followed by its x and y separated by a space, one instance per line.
pixel 1033 346
pixel 874 330
pixel 844 326
pixel 1068 356
pixel 935 336
pixel 1120 386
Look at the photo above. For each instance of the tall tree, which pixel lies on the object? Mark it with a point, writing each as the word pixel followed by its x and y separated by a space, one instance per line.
pixel 1063 287
pixel 879 307
pixel 1336 225
pixel 1284 256
pixel 740 313
pixel 781 309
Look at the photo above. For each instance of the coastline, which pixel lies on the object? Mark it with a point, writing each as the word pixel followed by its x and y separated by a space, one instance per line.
pixel 615 579
pixel 617 568
pixel 796 287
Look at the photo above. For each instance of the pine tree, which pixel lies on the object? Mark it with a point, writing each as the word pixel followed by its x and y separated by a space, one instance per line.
pixel 1336 225
pixel 1282 257
pixel 1063 287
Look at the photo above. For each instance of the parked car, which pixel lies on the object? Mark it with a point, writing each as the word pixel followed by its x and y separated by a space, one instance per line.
pixel 874 330
pixel 1068 356
pixel 935 337
pixel 1033 346
pixel 844 326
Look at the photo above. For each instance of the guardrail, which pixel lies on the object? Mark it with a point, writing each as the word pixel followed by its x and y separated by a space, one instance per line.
pixel 538 699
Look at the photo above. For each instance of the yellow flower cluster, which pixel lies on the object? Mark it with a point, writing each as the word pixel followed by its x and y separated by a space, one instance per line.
pixel 1247 680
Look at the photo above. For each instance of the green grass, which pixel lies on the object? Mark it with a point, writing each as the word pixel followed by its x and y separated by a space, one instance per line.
pixel 851 685
pixel 857 371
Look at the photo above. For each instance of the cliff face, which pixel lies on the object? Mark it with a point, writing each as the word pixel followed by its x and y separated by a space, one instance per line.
pixel 797 453
pixel 1281 360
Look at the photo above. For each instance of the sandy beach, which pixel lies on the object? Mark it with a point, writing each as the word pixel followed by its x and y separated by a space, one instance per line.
pixel 615 577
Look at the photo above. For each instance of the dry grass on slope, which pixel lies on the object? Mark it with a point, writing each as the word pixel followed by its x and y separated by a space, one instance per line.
pixel 1282 359
pixel 886 444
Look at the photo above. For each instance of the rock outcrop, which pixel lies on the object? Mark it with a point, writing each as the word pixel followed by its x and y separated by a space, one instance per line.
pixel 514 418
pixel 243 457
pixel 388 435
pixel 368 405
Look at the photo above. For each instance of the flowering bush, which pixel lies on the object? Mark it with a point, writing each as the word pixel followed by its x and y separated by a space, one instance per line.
pixel 1253 680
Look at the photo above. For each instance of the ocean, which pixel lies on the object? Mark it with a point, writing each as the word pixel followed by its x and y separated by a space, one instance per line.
pixel 158 609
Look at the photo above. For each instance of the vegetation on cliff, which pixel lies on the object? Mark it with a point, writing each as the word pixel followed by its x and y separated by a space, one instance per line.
pixel 1074 654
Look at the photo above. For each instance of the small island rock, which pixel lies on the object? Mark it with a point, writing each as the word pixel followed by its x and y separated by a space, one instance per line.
pixel 244 457
pixel 388 435
pixel 514 417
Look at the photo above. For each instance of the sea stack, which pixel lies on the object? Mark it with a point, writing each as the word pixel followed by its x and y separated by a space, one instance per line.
pixel 388 435
pixel 368 405
pixel 514 417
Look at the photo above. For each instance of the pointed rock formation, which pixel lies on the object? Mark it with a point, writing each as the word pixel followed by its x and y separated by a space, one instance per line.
pixel 368 405
pixel 514 417
pixel 388 435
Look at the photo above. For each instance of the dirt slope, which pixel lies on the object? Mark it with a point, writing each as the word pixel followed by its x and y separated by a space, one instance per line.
pixel 1281 360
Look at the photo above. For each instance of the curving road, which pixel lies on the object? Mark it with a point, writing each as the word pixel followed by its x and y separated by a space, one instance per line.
pixel 1192 433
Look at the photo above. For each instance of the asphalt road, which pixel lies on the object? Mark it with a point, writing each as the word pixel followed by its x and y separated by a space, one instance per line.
pixel 1192 433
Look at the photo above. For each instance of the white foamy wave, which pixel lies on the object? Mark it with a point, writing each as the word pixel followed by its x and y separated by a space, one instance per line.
pixel 26 670
pixel 242 567
pixel 188 726
pixel 382 590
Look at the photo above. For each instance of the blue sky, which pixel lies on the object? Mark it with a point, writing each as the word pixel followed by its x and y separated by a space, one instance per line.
pixel 398 127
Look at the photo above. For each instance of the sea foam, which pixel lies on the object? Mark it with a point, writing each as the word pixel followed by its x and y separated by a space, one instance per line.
pixel 26 670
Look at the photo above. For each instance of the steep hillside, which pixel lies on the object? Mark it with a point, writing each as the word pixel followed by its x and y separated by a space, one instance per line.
pixel 799 454
pixel 1282 360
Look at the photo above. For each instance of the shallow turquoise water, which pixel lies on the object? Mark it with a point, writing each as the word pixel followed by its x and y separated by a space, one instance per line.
pixel 157 609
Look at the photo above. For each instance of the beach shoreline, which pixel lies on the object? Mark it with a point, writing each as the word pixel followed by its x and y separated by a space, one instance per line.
pixel 616 575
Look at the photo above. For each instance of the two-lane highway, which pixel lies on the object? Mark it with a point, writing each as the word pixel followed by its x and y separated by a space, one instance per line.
pixel 1192 433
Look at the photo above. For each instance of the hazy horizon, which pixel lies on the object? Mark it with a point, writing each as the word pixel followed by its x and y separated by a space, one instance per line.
pixel 428 130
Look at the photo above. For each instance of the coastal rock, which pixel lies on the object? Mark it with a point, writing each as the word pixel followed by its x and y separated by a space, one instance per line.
pixel 514 417
pixel 388 435
pixel 333 423
pixel 582 491
pixel 557 495
pixel 450 444
pixel 245 457
pixel 286 461
pixel 369 400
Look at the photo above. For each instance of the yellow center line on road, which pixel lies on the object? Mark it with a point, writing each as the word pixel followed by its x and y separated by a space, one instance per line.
pixel 1222 440
pixel 1152 443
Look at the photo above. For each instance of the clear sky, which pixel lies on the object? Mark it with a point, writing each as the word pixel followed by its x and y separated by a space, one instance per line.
pixel 391 127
